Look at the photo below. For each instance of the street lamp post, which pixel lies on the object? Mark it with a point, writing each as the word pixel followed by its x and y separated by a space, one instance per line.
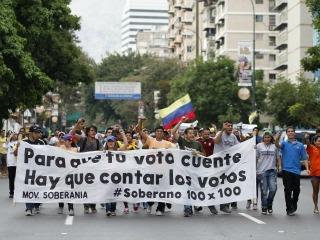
pixel 253 80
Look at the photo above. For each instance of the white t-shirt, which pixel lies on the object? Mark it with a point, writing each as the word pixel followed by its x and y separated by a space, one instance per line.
pixel 11 158
pixel 266 157
pixel 227 141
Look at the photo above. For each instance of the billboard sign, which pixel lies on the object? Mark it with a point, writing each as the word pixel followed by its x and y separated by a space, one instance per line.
pixel 117 90
pixel 244 71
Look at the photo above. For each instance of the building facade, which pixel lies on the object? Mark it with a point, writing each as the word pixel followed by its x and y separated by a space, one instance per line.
pixel 228 25
pixel 182 29
pixel 141 15
pixel 154 42
pixel 295 36
pixel 283 32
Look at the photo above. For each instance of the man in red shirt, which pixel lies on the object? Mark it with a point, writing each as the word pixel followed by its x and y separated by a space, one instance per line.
pixel 208 145
pixel 207 142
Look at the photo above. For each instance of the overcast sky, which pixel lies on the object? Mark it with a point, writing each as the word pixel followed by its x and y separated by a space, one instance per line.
pixel 100 25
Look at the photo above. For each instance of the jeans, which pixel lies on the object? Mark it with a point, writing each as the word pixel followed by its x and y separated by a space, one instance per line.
pixel 161 206
pixel 30 206
pixel 12 176
pixel 70 206
pixel 291 182
pixel 188 209
pixel 268 187
pixel 3 162
pixel 111 207
pixel 89 205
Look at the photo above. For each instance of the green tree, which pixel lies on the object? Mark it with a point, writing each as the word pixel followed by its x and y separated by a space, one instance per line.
pixel 153 73
pixel 38 50
pixel 50 29
pixel 306 109
pixel 213 90
pixel 281 96
pixel 295 104
pixel 312 61
pixel 113 68
pixel 22 82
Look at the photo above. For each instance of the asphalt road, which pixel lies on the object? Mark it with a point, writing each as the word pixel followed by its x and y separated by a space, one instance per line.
pixel 14 225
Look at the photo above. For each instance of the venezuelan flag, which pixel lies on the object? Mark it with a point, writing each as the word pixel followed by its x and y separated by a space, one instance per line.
pixel 171 115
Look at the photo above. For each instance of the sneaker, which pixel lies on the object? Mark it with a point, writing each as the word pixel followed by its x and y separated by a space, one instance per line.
pixel 108 213
pixel 197 209
pixel 248 206
pixel 187 214
pixel 136 207
pixel 126 210
pixel 316 211
pixel 234 206
pixel 213 210
pixel 255 206
pixel 93 210
pixel 159 213
pixel 290 213
pixel 225 210
pixel 11 196
pixel 149 209
pixel 270 209
pixel 71 212
pixel 36 210
pixel 29 212
pixel 113 214
pixel 264 211
pixel 60 210
pixel 86 210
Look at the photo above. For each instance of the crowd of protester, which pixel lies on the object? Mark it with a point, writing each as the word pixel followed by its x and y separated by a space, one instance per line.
pixel 273 156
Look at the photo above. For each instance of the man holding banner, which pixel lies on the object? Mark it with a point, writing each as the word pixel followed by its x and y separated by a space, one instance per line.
pixel 34 138
pixel 223 141
pixel 187 143
pixel 154 143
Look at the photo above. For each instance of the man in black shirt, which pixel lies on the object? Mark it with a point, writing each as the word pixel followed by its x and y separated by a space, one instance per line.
pixel 34 138
pixel 187 143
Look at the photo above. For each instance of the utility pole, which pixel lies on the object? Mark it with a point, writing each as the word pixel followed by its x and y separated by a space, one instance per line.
pixel 253 77
pixel 197 28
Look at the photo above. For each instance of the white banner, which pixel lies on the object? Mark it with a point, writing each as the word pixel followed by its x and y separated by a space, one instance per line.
pixel 47 174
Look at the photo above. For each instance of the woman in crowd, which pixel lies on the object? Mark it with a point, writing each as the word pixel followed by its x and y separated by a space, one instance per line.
pixel 12 161
pixel 112 146
pixel 67 144
pixel 267 156
pixel 313 151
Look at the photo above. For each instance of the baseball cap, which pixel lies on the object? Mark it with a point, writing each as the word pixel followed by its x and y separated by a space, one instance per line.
pixel 35 128
pixel 267 133
pixel 111 138
pixel 67 137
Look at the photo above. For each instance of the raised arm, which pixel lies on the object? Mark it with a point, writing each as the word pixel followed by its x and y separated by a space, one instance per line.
pixel 139 128
pixel 218 137
pixel 176 127
pixel 125 144
pixel 78 127
pixel 277 140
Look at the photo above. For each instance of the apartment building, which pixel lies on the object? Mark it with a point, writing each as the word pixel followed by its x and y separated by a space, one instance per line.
pixel 154 42
pixel 141 15
pixel 182 29
pixel 283 32
pixel 227 24
pixel 295 36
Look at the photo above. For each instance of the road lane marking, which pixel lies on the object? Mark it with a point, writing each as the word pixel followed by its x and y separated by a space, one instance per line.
pixel 69 220
pixel 256 220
